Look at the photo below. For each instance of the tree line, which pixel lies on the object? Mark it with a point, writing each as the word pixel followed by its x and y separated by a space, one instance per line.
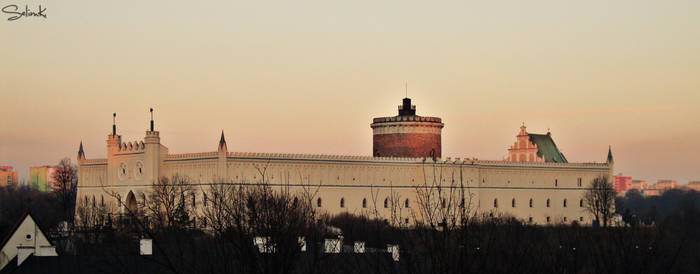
pixel 258 229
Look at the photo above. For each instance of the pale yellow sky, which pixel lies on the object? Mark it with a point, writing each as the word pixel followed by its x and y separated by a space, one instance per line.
pixel 308 76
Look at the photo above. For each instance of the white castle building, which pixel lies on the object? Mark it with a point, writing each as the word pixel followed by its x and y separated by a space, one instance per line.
pixel 540 187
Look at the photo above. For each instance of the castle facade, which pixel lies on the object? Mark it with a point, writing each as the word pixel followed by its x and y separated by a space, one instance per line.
pixel 539 187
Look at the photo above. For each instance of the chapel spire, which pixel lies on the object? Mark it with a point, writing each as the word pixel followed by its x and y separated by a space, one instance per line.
pixel 81 153
pixel 610 156
pixel 222 143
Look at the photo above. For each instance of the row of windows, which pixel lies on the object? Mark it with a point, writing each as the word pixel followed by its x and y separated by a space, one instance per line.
pixel 565 219
pixel 406 204
pixel 319 202
pixel 579 182
pixel 512 203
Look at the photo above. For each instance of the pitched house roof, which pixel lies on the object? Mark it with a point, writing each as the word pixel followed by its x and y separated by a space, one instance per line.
pixel 547 149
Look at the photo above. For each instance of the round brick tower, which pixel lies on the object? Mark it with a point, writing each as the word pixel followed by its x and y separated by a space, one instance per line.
pixel 407 134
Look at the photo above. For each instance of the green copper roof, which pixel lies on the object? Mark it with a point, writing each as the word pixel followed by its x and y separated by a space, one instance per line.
pixel 547 149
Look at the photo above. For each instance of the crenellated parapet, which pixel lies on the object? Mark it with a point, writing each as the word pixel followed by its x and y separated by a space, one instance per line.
pixel 186 156
pixel 89 162
pixel 131 147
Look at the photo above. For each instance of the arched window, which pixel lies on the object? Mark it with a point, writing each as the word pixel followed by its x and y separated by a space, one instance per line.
pixel 93 202
pixel 547 202
pixel 318 202
pixel 406 204
pixel 194 200
pixel 512 203
pixel 580 203
pixel 386 203
pixel 462 203
pixel 342 202
pixel 364 203
pixel 444 203
pixel 556 182
pixel 204 199
pixel 102 200
pixel 530 202
pixel 548 219
pixel 564 202
pixel 495 203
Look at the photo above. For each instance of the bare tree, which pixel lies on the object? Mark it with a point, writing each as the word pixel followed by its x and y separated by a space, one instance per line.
pixel 600 199
pixel 64 179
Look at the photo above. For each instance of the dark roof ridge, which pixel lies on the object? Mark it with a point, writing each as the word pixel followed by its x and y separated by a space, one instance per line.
pixel 15 227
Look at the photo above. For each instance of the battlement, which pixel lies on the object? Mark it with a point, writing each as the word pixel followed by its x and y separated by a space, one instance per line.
pixel 413 118
pixel 93 162
pixel 357 158
pixel 135 146
pixel 320 157
pixel 187 156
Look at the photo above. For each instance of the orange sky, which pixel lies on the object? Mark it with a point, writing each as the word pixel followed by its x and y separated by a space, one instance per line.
pixel 308 76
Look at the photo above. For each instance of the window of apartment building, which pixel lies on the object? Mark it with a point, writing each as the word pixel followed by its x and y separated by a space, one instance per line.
pixel 342 202
pixel 547 202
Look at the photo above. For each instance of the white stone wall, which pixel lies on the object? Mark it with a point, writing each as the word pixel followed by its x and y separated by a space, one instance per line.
pixel 354 178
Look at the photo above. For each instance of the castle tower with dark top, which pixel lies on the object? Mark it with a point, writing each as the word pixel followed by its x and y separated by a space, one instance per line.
pixel 407 134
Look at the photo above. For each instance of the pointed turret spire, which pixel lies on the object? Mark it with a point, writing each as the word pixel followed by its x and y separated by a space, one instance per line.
pixel 81 153
pixel 222 143
pixel 114 123
pixel 610 157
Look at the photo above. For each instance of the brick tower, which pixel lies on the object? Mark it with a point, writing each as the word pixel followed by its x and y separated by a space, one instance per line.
pixel 407 134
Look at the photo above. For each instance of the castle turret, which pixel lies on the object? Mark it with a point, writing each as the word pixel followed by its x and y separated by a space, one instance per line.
pixel 407 134
pixel 114 142
pixel 152 157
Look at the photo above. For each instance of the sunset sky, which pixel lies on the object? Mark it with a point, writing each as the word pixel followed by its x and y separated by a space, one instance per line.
pixel 309 76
